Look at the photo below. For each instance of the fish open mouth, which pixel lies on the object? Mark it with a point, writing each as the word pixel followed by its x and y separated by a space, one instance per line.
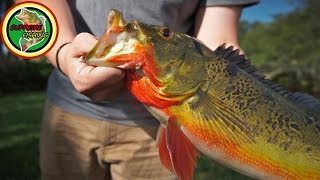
pixel 114 49
pixel 117 46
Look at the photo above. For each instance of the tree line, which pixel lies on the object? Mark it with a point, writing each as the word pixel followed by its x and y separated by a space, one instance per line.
pixel 287 49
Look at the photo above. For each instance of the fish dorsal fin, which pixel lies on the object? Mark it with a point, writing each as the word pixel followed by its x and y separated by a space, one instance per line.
pixel 303 100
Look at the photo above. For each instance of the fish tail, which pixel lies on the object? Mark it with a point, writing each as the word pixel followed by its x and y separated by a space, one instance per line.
pixel 25 43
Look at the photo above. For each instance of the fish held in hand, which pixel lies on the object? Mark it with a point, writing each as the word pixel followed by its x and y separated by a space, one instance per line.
pixel 214 102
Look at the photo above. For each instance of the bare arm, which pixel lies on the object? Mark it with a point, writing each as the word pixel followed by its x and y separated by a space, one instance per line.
pixel 216 25
pixel 98 83
pixel 67 30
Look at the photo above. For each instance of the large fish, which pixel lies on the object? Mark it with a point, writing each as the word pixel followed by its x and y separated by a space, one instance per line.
pixel 213 101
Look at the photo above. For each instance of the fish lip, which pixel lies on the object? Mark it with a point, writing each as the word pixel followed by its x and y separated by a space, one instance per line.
pixel 116 26
pixel 111 45
pixel 91 58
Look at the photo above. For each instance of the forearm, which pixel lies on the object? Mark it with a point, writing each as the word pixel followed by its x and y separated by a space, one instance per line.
pixel 97 83
pixel 67 30
pixel 217 25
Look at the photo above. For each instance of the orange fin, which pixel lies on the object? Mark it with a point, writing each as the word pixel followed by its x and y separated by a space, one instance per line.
pixel 163 150
pixel 183 154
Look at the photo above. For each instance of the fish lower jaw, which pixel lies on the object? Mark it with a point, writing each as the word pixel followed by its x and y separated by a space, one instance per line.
pixel 101 62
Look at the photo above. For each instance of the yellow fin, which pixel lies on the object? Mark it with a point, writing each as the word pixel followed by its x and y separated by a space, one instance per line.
pixel 217 117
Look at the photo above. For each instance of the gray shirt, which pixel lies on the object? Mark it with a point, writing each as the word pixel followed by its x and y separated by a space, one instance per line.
pixel 90 16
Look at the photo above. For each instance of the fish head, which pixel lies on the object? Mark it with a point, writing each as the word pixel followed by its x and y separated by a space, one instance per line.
pixel 26 16
pixel 135 45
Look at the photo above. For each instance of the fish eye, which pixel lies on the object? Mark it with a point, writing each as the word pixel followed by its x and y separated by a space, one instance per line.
pixel 165 32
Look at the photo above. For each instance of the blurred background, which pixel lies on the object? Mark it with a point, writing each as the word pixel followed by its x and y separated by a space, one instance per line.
pixel 281 37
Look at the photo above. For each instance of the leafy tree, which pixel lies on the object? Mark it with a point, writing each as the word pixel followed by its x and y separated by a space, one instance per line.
pixel 287 48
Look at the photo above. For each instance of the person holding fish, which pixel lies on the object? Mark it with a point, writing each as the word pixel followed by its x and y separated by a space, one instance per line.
pixel 93 128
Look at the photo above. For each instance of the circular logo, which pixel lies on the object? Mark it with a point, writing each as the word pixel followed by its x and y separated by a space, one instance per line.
pixel 29 29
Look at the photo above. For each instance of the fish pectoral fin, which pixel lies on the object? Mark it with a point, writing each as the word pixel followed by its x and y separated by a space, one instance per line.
pixel 215 116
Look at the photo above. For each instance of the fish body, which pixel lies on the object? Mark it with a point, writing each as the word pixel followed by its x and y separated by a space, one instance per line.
pixel 30 18
pixel 213 101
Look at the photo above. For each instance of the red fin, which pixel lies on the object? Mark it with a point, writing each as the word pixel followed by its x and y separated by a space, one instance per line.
pixel 163 151
pixel 182 152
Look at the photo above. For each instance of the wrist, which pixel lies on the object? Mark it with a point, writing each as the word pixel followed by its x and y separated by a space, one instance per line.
pixel 61 58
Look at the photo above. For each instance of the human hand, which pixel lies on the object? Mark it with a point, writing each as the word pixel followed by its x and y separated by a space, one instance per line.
pixel 97 83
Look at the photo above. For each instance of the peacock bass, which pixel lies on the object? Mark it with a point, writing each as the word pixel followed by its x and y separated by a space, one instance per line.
pixel 214 102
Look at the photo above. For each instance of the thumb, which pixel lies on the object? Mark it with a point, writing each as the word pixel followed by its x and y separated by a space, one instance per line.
pixel 83 43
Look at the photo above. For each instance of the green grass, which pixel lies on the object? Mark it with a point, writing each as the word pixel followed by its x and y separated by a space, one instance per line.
pixel 20 116
pixel 207 169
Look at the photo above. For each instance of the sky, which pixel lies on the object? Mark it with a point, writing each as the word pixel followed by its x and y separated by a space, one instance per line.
pixel 264 11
